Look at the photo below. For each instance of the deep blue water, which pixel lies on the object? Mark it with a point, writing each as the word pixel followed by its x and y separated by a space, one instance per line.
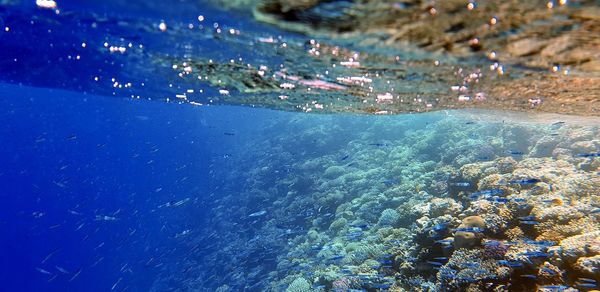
pixel 62 154
pixel 68 158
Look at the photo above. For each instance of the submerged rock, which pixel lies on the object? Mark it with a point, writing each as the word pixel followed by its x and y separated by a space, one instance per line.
pixel 466 240
pixel 473 221
pixel 580 246
pixel 563 35
pixel 589 266
pixel 469 239
pixel 543 53
pixel 526 47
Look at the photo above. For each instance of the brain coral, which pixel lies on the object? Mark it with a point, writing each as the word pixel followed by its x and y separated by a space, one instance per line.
pixel 464 239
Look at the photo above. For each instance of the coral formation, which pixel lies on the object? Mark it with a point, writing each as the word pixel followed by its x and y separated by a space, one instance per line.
pixel 299 285
pixel 389 217
pixel 468 232
pixel 441 204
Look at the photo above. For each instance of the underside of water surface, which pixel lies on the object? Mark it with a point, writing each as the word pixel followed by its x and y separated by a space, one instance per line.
pixel 396 57
pixel 275 145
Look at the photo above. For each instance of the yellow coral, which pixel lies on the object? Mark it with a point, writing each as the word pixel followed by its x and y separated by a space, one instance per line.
pixel 557 202
pixel 514 234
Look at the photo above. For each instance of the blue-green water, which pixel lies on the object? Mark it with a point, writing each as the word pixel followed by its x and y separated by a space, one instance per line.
pixel 104 192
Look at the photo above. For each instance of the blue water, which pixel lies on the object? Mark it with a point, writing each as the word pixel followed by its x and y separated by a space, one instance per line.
pixel 63 154
pixel 108 189
pixel 67 158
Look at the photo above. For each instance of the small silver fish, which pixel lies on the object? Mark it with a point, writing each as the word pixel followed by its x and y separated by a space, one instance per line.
pixel 105 218
pixel 50 255
pixel 62 270
pixel 74 212
pixel 174 204
pixel 97 262
pixel 183 233
pixel 76 275
pixel 43 271
pixel 117 283
pixel 259 213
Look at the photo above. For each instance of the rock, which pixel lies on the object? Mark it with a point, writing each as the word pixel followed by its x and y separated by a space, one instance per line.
pixel 469 239
pixel 574 56
pixel 544 147
pixel 473 221
pixel 589 266
pixel 584 245
pixel 466 240
pixel 590 13
pixel 549 272
pixel 506 165
pixel 585 146
pixel 526 47
pixel 561 153
pixel 285 6
pixel 557 45
pixel 591 66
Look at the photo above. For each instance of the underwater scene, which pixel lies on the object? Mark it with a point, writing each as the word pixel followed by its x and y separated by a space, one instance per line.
pixel 299 145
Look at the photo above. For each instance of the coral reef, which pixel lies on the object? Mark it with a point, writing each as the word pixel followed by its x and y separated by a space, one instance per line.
pixel 441 203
